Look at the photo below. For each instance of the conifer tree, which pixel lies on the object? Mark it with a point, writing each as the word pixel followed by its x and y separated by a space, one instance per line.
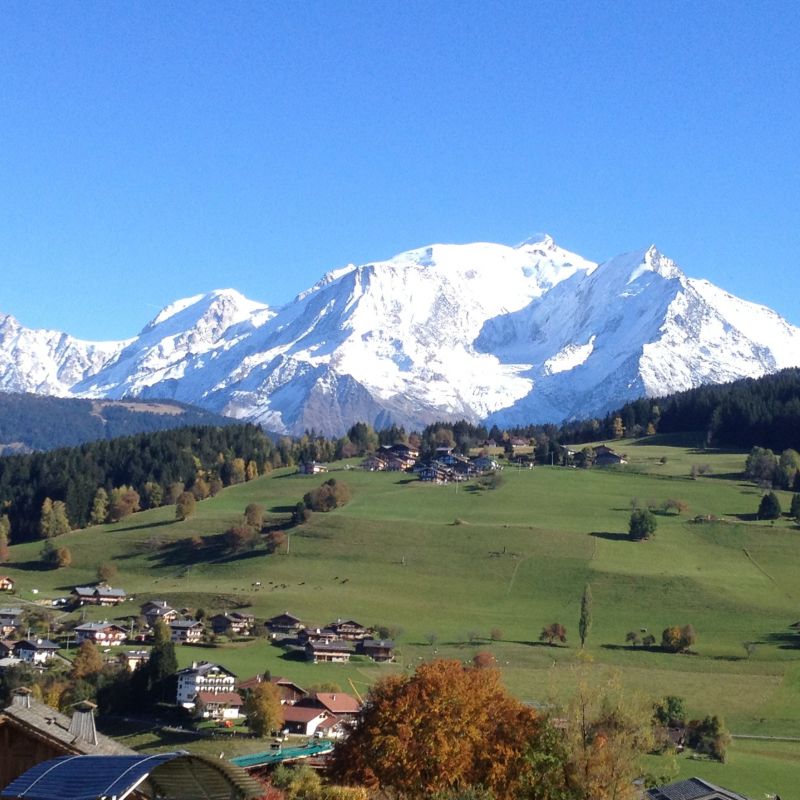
pixel 585 622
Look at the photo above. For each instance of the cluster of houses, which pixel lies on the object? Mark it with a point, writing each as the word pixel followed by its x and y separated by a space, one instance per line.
pixel 334 643
pixel 211 691
pixel 444 466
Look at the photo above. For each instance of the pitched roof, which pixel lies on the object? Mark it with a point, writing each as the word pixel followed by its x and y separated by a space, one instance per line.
pixel 693 789
pixel 338 702
pixel 99 626
pixel 203 667
pixel 226 698
pixel 36 644
pixel 53 725
pixel 337 646
pixel 301 713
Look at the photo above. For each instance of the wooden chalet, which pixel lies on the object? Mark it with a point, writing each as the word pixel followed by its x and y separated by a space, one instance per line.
pixel 32 732
pixel 692 789
pixel 290 691
pixel 349 630
pixel 285 624
pixel 341 704
pixel 378 649
pixel 10 619
pixel 605 457
pixel 218 705
pixel 202 676
pixel 312 468
pixel 185 631
pixel 35 651
pixel 336 652
pixel 98 595
pixel 317 635
pixel 101 633
pixel 233 622
pixel 154 610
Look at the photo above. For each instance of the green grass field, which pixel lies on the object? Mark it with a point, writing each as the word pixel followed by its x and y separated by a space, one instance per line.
pixel 456 562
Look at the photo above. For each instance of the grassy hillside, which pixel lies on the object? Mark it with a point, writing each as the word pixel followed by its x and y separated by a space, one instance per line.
pixel 457 562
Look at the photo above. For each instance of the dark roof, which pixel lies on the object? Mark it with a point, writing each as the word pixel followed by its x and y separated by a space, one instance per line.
pixel 223 698
pixel 382 644
pixel 337 646
pixel 56 726
pixel 166 775
pixel 38 644
pixel 693 789
pixel 203 667
pixel 185 623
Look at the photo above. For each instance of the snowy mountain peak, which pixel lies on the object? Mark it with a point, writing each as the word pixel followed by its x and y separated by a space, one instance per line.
pixel 482 331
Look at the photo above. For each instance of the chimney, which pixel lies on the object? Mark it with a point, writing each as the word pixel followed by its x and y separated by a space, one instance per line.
pixel 82 724
pixel 21 698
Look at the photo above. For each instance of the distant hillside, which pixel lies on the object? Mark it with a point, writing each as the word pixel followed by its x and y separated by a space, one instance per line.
pixel 35 422
pixel 753 411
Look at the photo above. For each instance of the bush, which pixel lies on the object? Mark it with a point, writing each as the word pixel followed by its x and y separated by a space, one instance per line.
pixel 708 736
pixel 676 639
pixel 332 494
pixel 642 525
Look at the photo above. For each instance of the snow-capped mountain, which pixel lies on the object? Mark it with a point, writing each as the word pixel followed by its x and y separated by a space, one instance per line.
pixel 520 334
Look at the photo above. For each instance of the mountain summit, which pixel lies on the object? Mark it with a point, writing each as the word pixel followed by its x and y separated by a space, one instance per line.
pixel 482 331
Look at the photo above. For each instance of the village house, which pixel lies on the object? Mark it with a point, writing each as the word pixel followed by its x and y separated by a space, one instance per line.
pixel 218 705
pixel 377 649
pixel 6 649
pixel 604 457
pixel 185 631
pixel 154 610
pixel 349 629
pixel 485 464
pixel 303 721
pixel 35 651
pixel 337 652
pixel 290 691
pixel 133 658
pixel 312 468
pixel 285 624
pixel 10 619
pixel 101 633
pixel 316 635
pixel 203 676
pixel 343 706
pixel 434 472
pixel 234 622
pixel 98 595
pixel 6 584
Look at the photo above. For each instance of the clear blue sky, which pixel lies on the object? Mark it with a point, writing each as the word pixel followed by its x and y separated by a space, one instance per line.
pixel 150 151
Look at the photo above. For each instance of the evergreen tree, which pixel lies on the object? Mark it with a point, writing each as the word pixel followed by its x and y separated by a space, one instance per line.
pixel 769 507
pixel 585 622
pixel 162 665
pixel 794 509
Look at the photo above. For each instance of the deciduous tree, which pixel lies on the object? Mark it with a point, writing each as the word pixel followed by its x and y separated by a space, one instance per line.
pixel 553 632
pixel 87 662
pixel 447 726
pixel 99 512
pixel 642 525
pixel 185 505
pixel 262 707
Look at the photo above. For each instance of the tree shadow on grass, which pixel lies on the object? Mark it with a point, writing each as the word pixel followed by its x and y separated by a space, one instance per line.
pixel 29 566
pixel 784 641
pixel 554 645
pixel 744 517
pixel 610 536
pixel 145 525
pixel 633 648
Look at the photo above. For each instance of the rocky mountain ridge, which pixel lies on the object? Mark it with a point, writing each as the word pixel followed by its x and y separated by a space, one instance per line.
pixel 532 333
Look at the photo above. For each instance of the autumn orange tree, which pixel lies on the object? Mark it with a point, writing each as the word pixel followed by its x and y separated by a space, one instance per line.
pixel 446 727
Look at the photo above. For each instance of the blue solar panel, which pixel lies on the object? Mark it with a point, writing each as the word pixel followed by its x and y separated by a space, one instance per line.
pixel 84 777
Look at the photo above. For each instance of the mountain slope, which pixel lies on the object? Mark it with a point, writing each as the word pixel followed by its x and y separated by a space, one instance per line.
pixel 521 334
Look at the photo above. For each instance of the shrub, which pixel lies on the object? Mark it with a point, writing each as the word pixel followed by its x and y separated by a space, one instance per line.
pixel 642 525
pixel 676 639
pixel 332 494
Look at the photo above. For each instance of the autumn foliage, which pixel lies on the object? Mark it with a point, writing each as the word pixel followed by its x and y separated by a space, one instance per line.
pixel 448 726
